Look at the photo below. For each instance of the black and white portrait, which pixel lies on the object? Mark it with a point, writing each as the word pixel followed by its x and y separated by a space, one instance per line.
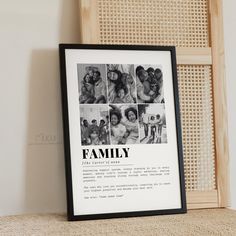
pixel 130 104
pixel 149 80
pixel 152 123
pixel 124 124
pixel 92 83
pixel 121 83
pixel 94 123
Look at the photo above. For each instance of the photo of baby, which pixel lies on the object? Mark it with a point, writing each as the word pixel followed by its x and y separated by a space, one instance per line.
pixel 92 84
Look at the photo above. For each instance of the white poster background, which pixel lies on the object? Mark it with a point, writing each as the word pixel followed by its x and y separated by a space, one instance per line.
pixel 140 155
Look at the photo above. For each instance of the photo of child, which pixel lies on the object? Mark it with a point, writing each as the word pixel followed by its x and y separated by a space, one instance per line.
pixel 124 124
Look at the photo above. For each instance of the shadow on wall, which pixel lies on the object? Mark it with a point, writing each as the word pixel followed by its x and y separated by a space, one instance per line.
pixel 69 24
pixel 45 189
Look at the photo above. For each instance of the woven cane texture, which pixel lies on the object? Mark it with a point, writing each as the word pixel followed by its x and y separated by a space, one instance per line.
pixel 196 105
pixel 183 23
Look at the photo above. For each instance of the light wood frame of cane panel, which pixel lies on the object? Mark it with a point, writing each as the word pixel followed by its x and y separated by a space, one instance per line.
pixel 195 27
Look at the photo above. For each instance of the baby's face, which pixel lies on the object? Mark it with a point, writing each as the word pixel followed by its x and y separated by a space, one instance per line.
pixel 121 93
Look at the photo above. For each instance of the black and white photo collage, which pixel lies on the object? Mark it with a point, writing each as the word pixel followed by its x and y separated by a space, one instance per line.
pixel 121 104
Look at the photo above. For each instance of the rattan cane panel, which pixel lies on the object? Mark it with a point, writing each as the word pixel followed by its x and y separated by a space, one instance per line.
pixel 195 89
pixel 183 23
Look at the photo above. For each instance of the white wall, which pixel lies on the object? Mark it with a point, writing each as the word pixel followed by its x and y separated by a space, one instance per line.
pixel 31 150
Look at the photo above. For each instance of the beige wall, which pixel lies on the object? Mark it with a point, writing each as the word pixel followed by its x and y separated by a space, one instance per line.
pixel 31 150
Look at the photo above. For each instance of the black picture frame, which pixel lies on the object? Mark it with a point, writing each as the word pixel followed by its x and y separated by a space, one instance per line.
pixel 65 90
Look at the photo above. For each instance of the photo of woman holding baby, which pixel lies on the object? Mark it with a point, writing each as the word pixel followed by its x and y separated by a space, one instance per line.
pixel 124 124
pixel 121 84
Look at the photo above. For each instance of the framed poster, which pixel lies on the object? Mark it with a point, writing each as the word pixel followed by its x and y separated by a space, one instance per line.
pixel 122 134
